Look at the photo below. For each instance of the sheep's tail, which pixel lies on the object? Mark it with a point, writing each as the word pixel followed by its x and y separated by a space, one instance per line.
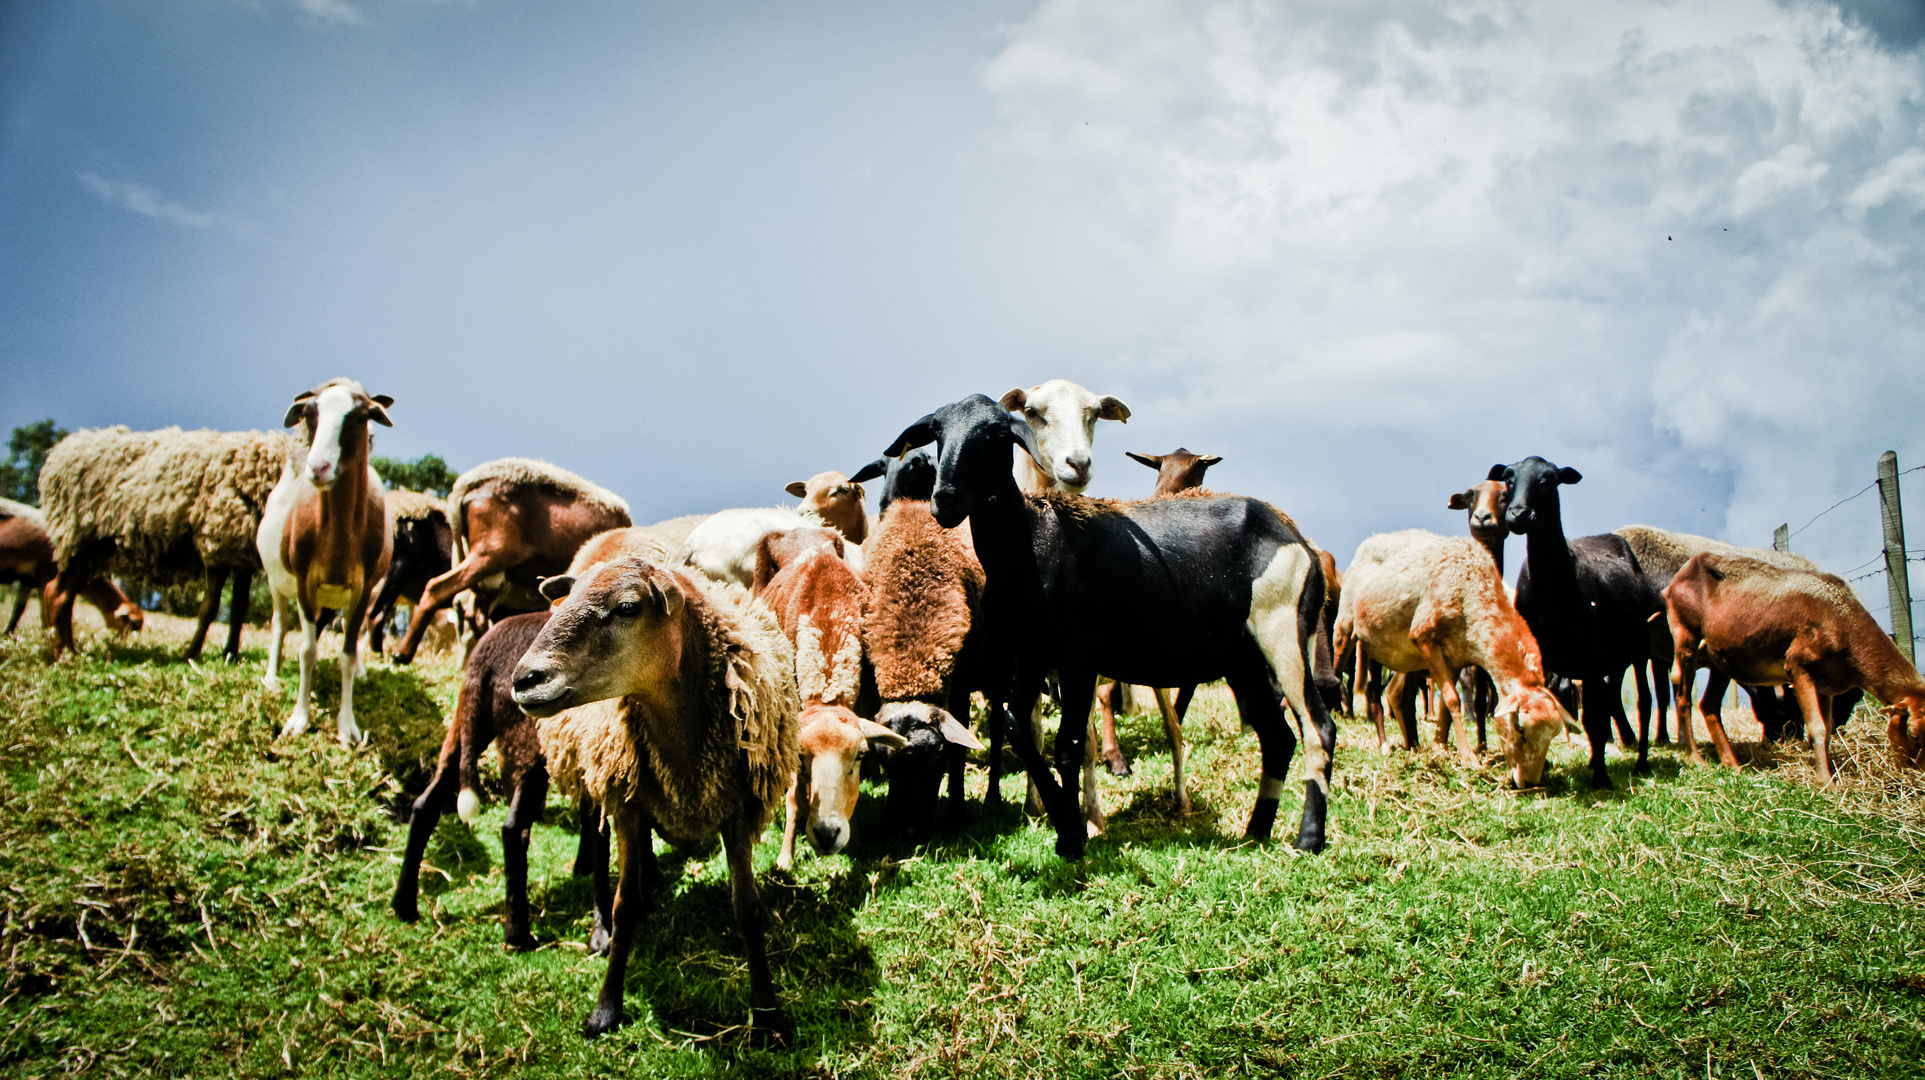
pixel 469 720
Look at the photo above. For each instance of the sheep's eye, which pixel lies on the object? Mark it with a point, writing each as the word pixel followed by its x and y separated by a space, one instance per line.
pixel 628 609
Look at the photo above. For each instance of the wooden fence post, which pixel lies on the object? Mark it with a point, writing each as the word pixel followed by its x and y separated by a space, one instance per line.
pixel 1895 577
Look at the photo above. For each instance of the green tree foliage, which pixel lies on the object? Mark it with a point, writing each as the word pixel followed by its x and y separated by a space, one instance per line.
pixel 26 452
pixel 426 473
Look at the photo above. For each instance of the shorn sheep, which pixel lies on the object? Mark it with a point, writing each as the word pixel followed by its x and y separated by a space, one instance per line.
pixel 26 559
pixel 1416 601
pixel 515 521
pixel 324 538
pixel 162 508
pixel 705 739
pixel 1161 593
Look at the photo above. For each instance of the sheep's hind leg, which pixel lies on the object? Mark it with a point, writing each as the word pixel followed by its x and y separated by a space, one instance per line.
pixel 523 811
pixel 1173 726
pixel 640 879
pixel 237 612
pixel 768 1022
pixel 434 802
pixel 216 576
pixel 1259 708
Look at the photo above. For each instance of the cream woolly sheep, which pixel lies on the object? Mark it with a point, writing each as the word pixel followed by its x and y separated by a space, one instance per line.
pixel 704 684
pixel 161 507
pixel 515 521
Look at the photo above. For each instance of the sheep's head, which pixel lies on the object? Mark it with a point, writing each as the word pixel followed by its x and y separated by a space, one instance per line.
pixel 1530 717
pixel 127 619
pixel 1178 470
pixel 336 416
pixel 1906 731
pixel 975 439
pixel 615 630
pixel 1064 417
pixel 1530 491
pixel 1487 501
pixel 912 476
pixel 833 741
pixel 836 501
pixel 916 768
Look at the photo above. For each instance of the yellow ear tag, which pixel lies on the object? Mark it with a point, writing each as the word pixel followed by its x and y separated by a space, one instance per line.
pixel 338 597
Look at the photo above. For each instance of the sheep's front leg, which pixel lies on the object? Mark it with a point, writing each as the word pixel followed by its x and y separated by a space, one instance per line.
pixel 798 795
pixel 310 648
pixel 1072 764
pixel 276 638
pixel 1817 719
pixel 1173 726
pixel 766 1018
pixel 350 732
pixel 635 893
pixel 1445 680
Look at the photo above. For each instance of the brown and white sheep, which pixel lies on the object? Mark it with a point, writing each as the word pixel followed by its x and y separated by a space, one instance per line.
pixel 162 508
pixel 26 559
pixel 1063 415
pixel 704 739
pixel 818 600
pixel 1417 601
pixel 515 521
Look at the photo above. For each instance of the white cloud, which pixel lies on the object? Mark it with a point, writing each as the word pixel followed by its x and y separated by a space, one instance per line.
pixel 143 200
pixel 332 11
pixel 1632 232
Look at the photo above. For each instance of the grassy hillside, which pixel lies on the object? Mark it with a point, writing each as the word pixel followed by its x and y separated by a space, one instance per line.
pixel 183 893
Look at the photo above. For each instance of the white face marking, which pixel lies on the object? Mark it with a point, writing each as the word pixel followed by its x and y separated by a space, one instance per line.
pixel 324 457
pixel 1063 415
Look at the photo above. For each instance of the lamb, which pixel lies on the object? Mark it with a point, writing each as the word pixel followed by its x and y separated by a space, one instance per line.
pixel 703 682
pixel 1418 601
pixel 324 537
pixel 922 631
pixel 515 521
pixel 160 507
pixel 486 713
pixel 1766 623
pixel 423 550
pixel 26 559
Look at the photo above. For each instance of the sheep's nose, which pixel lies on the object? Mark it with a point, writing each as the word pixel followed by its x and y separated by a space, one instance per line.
pixel 320 470
pixel 828 837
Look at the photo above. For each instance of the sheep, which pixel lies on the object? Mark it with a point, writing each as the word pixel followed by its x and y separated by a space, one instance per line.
pixel 836 501
pixel 1063 417
pixel 423 550
pixel 922 629
pixel 26 558
pixel 1163 593
pixel 723 546
pixel 486 713
pixel 818 600
pixel 1766 624
pixel 1416 601
pixel 324 538
pixel 911 476
pixel 515 521
pixel 705 739
pixel 160 507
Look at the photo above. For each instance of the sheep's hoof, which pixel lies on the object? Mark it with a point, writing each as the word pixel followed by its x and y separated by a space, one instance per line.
pixel 1119 766
pixel 771 1028
pixel 402 658
pixel 271 684
pixel 406 909
pixel 352 736
pixel 1642 767
pixel 296 724
pixel 606 1017
pixel 522 941
pixel 598 940
pixel 1070 844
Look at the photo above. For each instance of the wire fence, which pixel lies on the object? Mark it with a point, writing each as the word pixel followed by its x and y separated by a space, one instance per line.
pixel 1878 563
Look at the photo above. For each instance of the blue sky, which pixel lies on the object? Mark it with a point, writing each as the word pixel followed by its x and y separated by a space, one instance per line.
pixel 696 251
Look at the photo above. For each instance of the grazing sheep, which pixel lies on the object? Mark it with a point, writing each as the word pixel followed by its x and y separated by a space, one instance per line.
pixel 486 713
pixel 324 537
pixel 1766 624
pixel 1416 601
pixel 515 521
pixel 26 559
pixel 163 508
pixel 818 600
pixel 705 739
pixel 423 550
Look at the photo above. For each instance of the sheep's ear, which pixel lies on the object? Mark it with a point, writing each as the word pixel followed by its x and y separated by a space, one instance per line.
pixel 879 735
pixel 953 731
pixel 1460 501
pixel 797 489
pixel 1154 461
pixel 1208 460
pixel 297 410
pixel 921 433
pixel 1015 399
pixel 668 599
pixel 378 411
pixel 1569 475
pixel 1112 408
pixel 1497 472
pixel 555 589
pixel 1026 436
pixel 870 471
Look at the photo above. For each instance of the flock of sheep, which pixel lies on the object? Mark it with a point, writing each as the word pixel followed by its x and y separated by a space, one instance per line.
pixel 687 678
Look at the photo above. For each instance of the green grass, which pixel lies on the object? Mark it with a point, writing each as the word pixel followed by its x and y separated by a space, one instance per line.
pixel 184 893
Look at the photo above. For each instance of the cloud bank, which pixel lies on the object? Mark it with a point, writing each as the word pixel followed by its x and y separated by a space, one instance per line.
pixel 1672 238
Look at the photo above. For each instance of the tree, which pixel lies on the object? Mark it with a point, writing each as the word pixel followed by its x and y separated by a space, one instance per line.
pixel 26 452
pixel 426 473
